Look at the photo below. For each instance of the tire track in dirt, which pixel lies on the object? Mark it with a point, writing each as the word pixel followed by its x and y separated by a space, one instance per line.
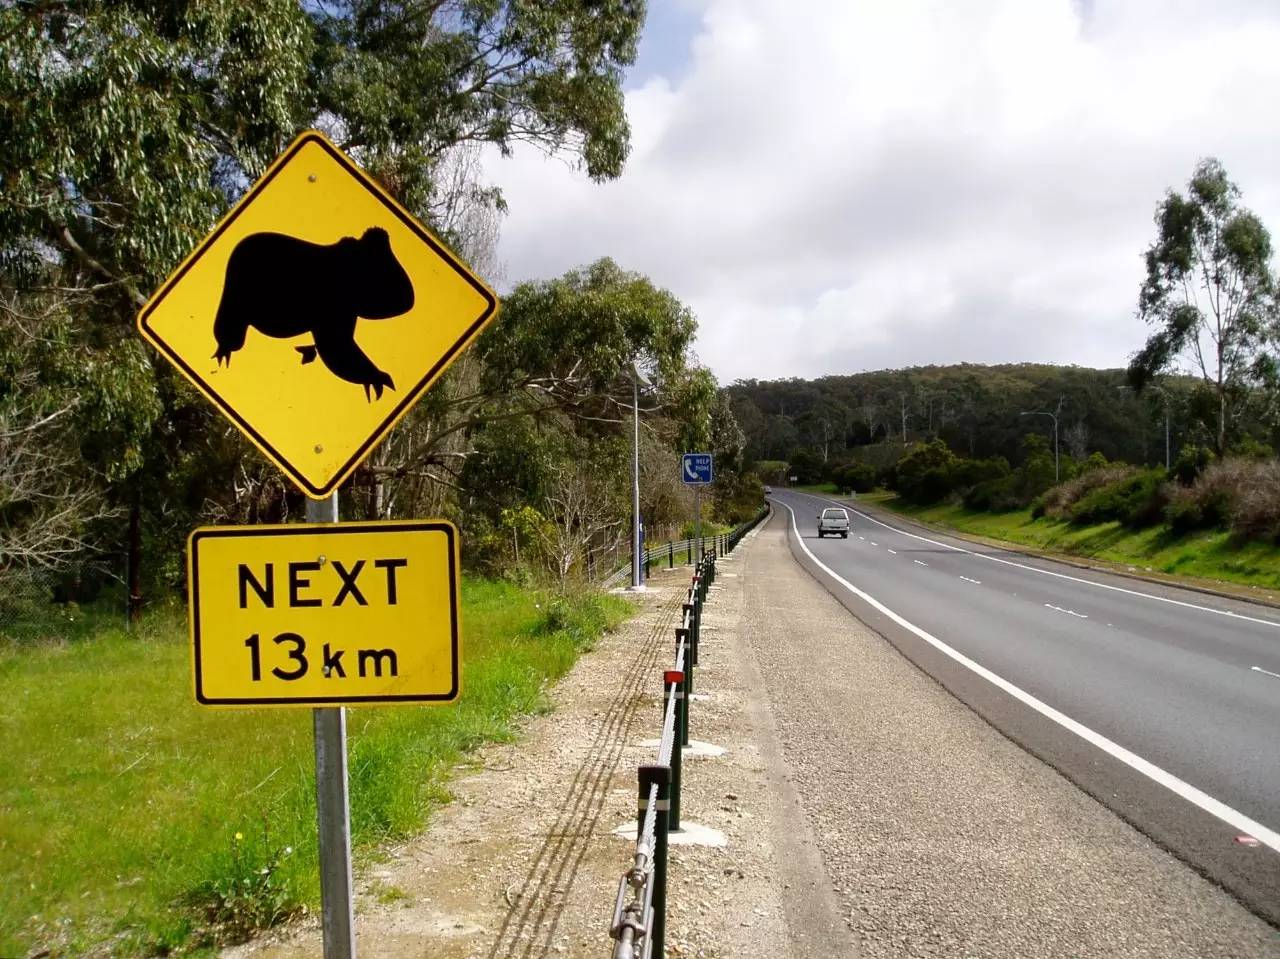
pixel 539 903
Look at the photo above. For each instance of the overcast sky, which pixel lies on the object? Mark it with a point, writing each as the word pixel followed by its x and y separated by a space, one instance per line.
pixel 836 186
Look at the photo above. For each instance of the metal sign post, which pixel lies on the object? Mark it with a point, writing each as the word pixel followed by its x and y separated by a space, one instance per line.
pixel 697 520
pixel 333 804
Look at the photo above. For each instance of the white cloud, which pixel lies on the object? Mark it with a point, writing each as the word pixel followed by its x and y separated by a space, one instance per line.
pixel 839 185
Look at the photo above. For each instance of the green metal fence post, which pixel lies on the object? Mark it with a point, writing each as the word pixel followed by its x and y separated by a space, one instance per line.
pixel 662 776
pixel 682 636
pixel 677 678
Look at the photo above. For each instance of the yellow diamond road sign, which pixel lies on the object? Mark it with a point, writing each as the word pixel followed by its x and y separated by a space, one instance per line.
pixel 316 314
pixel 325 614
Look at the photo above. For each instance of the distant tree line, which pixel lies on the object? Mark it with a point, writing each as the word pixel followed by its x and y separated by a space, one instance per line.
pixel 977 411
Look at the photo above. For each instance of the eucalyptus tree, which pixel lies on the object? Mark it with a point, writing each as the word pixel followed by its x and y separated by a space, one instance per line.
pixel 1210 294
pixel 131 126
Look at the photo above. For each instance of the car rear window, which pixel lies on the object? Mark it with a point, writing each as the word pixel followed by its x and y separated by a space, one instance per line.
pixel 833 514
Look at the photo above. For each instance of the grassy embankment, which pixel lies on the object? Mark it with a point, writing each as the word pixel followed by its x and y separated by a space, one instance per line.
pixel 129 815
pixel 1211 555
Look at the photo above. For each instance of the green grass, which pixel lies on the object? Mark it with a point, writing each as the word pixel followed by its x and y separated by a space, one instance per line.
pixel 819 489
pixel 1210 555
pixel 130 816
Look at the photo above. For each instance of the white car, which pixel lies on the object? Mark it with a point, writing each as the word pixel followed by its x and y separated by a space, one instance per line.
pixel 834 521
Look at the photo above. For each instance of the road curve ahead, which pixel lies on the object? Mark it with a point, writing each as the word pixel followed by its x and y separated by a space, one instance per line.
pixel 1163 704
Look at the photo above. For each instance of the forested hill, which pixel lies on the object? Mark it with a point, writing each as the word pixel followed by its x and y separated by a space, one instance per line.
pixel 975 409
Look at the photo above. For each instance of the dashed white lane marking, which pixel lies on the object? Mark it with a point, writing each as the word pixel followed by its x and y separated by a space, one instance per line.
pixel 1069 612
pixel 976 582
pixel 1259 669
pixel 917 562
pixel 1153 772
pixel 894 552
pixel 875 544
pixel 1075 579
pixel 863 538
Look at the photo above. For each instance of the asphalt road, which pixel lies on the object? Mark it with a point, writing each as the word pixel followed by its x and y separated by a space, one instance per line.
pixel 1164 704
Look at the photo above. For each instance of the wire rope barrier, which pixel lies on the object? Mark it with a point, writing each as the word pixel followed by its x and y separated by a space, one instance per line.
pixel 638 924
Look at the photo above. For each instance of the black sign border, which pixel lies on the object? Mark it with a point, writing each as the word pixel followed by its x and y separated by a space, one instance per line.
pixel 402 408
pixel 193 573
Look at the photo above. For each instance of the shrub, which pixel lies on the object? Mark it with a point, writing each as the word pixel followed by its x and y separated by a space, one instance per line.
pixel 1183 512
pixel 1250 448
pixel 855 477
pixel 1214 496
pixel 924 475
pixel 996 496
pixel 1257 510
pixel 1136 500
pixel 1058 500
pixel 1191 462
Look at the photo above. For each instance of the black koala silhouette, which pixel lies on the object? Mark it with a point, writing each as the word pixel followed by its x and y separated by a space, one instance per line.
pixel 284 287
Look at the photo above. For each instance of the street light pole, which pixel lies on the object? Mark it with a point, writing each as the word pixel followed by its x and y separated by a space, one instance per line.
pixel 1054 417
pixel 637 559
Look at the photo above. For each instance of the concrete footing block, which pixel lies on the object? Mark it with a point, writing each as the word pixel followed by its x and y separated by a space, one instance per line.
pixel 689 834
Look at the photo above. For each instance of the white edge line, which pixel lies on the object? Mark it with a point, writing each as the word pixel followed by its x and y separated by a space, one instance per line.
pixel 1267 671
pixel 1191 794
pixel 1074 579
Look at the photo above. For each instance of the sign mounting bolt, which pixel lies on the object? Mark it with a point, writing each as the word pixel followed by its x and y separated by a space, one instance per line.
pixel 319 448
pixel 311 178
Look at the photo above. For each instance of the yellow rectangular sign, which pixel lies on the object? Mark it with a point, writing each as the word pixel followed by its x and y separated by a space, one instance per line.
pixel 306 615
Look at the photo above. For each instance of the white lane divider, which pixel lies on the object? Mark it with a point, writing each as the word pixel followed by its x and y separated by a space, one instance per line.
pixel 875 544
pixel 863 538
pixel 916 561
pixel 976 582
pixel 1190 793
pixel 1069 612
pixel 894 552
pixel 1075 579
pixel 1259 669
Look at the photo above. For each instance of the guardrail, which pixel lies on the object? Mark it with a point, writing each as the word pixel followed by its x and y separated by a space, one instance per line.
pixel 639 922
pixel 687 549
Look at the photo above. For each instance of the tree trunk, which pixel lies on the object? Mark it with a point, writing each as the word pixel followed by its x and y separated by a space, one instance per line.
pixel 1222 421
pixel 135 560
pixel 374 509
